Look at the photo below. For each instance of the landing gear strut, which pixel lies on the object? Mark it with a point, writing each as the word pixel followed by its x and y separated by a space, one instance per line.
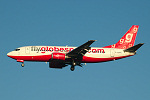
pixel 73 66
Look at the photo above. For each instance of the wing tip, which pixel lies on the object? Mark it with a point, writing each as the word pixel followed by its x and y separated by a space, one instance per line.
pixel 93 40
pixel 142 43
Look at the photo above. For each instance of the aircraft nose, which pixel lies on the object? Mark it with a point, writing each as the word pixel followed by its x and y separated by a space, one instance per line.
pixel 9 54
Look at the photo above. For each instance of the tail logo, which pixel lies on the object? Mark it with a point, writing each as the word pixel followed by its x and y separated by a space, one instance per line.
pixel 127 40
pixel 129 37
pixel 135 29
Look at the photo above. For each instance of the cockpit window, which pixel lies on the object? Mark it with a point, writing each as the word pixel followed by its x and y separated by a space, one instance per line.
pixel 17 49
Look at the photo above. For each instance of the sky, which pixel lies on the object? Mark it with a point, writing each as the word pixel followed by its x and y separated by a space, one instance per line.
pixel 72 23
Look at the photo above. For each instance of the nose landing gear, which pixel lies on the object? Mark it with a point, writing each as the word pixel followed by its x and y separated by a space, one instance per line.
pixel 22 64
pixel 22 61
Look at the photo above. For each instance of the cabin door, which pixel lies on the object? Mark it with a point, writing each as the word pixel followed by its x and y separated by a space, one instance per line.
pixel 112 52
pixel 27 50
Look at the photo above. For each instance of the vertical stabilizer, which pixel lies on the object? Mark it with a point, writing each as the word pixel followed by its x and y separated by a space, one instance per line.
pixel 127 40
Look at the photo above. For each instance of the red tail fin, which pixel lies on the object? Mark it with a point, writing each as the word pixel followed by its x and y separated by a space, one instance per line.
pixel 127 40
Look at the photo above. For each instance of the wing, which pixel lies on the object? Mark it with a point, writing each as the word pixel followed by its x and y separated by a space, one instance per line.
pixel 75 54
pixel 81 50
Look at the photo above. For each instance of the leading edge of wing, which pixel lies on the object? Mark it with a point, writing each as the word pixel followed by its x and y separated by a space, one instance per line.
pixel 81 50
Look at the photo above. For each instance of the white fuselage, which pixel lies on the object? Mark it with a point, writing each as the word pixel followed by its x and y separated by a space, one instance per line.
pixel 43 53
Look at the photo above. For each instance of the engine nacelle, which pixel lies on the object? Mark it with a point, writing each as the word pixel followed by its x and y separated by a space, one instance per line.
pixel 58 56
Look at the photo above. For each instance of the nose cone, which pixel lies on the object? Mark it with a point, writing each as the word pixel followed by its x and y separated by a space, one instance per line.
pixel 13 55
pixel 9 54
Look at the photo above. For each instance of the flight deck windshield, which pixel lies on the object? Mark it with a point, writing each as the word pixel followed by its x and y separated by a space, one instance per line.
pixel 17 49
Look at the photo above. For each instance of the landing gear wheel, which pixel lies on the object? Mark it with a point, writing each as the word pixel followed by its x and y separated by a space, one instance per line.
pixel 22 64
pixel 72 68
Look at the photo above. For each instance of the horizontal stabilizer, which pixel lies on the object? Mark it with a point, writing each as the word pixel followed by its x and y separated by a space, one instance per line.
pixel 134 48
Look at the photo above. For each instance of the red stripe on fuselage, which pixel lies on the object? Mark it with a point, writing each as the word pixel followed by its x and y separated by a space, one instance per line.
pixel 46 58
pixel 95 60
pixel 33 58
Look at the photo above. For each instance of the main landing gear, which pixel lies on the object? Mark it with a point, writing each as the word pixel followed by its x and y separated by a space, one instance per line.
pixel 73 66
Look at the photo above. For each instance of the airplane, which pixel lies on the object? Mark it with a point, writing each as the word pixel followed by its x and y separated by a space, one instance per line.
pixel 62 56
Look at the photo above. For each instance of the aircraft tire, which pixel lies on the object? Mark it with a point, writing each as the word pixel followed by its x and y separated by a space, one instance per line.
pixel 72 68
pixel 22 64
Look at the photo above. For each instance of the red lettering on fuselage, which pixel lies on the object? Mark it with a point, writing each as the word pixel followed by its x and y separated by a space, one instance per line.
pixel 43 49
pixel 61 49
pixel 96 51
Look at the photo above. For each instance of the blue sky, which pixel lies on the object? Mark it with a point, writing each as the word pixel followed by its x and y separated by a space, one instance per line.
pixel 73 22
